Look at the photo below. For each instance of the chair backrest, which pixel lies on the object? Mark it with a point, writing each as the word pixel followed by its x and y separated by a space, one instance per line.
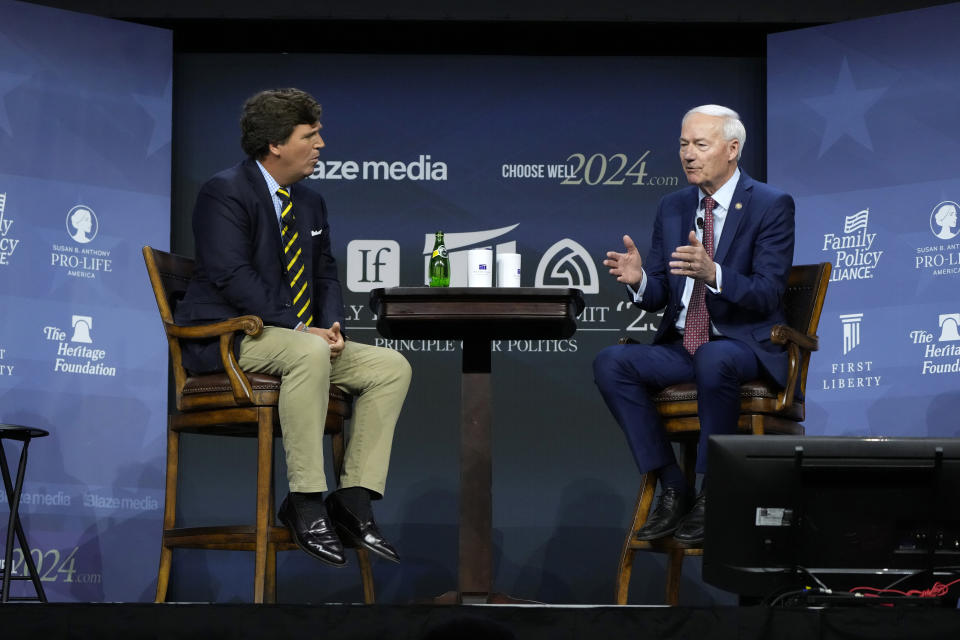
pixel 169 276
pixel 803 303
pixel 803 300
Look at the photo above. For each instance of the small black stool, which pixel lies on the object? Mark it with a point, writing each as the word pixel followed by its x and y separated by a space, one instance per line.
pixel 24 435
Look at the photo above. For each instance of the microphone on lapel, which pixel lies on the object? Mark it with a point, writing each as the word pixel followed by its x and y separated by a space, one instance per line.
pixel 700 222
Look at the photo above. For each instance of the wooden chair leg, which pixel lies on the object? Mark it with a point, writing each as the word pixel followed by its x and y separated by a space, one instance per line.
pixel 270 588
pixel 169 513
pixel 674 573
pixel 264 478
pixel 648 484
pixel 366 576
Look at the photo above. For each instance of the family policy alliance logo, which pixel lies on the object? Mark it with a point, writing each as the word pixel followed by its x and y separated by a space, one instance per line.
pixel 855 255
pixel 8 244
pixel 941 346
pixel 851 374
pixel 941 258
pixel 81 259
pixel 73 354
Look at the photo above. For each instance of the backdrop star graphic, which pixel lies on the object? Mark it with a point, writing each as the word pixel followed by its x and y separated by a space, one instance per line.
pixel 158 108
pixel 844 110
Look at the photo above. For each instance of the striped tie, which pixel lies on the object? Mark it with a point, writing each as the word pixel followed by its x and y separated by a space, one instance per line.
pixel 293 258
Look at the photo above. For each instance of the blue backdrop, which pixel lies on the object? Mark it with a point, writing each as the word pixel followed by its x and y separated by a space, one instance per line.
pixel 85 115
pixel 555 157
pixel 862 131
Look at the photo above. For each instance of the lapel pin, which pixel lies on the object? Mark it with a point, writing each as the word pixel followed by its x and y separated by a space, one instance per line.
pixel 739 205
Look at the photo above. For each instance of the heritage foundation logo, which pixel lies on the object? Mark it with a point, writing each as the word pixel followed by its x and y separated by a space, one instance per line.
pixel 73 354
pixel 937 357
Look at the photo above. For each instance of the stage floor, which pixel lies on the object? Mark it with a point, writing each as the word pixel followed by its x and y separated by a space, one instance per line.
pixel 532 622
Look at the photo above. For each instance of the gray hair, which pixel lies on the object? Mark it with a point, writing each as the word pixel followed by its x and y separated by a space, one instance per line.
pixel 733 129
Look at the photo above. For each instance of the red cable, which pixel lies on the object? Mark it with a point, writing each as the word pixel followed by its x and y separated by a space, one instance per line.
pixel 938 589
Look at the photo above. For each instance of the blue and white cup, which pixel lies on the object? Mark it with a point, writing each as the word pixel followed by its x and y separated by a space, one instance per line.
pixel 480 268
pixel 508 269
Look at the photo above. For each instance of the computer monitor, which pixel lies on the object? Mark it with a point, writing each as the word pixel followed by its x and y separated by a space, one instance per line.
pixel 851 511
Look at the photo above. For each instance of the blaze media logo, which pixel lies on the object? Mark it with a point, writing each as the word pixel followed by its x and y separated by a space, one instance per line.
pixel 82 224
pixel 372 264
pixel 851 331
pixel 568 264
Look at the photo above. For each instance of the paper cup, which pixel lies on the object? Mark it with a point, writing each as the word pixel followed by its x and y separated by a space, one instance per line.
pixel 480 268
pixel 508 269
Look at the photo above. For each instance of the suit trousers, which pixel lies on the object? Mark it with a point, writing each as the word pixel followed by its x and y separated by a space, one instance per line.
pixel 630 375
pixel 377 377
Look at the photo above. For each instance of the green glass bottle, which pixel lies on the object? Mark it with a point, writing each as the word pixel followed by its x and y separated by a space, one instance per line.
pixel 439 264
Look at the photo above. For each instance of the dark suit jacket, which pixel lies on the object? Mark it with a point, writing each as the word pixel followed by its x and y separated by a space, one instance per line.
pixel 239 266
pixel 755 254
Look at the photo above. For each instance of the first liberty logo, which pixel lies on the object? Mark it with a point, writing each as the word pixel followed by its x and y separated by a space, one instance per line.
pixel 8 244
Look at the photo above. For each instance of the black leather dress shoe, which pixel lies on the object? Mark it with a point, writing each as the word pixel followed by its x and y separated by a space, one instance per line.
pixel 357 531
pixel 310 526
pixel 673 505
pixel 690 531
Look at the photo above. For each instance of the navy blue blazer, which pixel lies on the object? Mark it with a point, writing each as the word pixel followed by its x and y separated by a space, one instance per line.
pixel 239 260
pixel 755 254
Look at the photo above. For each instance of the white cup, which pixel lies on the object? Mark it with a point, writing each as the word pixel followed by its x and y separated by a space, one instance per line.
pixel 508 269
pixel 480 268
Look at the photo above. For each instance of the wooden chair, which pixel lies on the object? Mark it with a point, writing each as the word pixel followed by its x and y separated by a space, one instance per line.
pixel 764 409
pixel 233 403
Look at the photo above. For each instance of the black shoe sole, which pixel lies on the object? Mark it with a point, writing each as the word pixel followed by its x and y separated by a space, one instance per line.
pixel 306 549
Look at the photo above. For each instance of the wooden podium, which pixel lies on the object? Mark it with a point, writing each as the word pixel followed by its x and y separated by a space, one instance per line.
pixel 476 316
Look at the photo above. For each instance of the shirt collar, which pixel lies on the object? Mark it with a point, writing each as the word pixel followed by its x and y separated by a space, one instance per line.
pixel 724 194
pixel 272 184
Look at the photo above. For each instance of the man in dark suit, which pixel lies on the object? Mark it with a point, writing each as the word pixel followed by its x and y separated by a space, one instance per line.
pixel 263 248
pixel 718 264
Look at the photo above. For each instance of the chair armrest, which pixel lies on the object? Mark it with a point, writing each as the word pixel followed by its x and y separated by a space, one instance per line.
pixel 226 331
pixel 799 345
pixel 250 325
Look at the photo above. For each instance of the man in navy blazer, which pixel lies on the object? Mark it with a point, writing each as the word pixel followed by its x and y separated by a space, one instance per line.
pixel 263 248
pixel 740 290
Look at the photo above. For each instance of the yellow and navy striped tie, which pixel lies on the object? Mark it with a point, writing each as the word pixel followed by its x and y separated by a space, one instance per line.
pixel 293 258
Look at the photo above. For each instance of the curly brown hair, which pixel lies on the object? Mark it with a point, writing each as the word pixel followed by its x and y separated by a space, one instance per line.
pixel 270 116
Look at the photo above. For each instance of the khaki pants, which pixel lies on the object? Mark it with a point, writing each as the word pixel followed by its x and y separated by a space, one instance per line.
pixel 378 378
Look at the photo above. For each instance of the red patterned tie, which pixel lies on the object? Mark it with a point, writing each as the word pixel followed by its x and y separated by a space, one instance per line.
pixel 697 328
